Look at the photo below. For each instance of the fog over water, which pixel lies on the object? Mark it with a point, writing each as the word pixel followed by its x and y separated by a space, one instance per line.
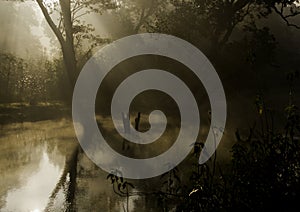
pixel 42 166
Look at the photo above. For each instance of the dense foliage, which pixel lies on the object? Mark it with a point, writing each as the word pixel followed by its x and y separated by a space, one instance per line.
pixel 263 174
pixel 30 80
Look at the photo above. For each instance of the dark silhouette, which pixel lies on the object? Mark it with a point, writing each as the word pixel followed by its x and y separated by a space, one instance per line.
pixel 137 121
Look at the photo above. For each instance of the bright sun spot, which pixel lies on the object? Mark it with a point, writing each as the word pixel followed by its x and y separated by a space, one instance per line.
pixel 297 3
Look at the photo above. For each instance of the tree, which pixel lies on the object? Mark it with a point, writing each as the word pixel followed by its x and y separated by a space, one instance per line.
pixel 135 14
pixel 215 20
pixel 70 30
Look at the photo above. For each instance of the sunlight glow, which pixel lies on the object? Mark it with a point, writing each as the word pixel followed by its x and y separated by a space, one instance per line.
pixel 50 1
pixel 297 3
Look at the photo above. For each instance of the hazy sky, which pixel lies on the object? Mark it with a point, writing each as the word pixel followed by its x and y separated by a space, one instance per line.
pixel 16 23
pixel 24 28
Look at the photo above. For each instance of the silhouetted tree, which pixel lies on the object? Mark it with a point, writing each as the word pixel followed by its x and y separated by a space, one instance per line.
pixel 216 20
pixel 70 30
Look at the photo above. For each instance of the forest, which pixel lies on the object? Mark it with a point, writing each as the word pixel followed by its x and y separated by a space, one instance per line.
pixel 254 47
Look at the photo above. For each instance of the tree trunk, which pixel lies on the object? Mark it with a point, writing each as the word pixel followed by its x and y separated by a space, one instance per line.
pixel 67 43
pixel 70 63
pixel 68 46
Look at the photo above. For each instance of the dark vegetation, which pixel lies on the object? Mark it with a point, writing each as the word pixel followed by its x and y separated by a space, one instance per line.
pixel 264 171
pixel 24 112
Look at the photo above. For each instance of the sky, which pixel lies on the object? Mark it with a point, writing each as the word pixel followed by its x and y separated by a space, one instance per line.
pixel 24 28
pixel 16 25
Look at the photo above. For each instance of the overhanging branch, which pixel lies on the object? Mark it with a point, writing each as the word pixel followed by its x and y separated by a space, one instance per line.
pixel 50 22
pixel 285 17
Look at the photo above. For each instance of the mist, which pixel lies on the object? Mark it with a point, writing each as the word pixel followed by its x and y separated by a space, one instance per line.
pixel 45 46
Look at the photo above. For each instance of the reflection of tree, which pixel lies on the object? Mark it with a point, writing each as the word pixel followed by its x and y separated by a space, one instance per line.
pixel 67 182
pixel 18 159
pixel 93 192
pixel 22 148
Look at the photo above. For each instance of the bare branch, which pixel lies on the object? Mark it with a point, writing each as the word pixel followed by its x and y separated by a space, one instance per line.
pixel 233 24
pixel 77 7
pixel 292 15
pixel 240 4
pixel 78 16
pixel 285 17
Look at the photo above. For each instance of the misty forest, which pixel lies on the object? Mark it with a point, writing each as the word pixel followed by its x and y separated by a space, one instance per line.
pixel 253 46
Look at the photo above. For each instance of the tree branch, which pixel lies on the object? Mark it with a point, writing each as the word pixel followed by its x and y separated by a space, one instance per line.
pixel 78 16
pixel 144 16
pixel 50 22
pixel 240 4
pixel 77 7
pixel 285 17
pixel 233 24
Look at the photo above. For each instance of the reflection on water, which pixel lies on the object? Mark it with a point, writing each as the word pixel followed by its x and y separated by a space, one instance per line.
pixel 32 158
pixel 37 172
pixel 34 193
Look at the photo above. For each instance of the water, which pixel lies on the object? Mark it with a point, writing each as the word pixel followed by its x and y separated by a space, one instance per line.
pixel 31 162
pixel 33 158
pixel 34 193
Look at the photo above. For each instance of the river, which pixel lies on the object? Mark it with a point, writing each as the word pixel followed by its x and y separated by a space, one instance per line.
pixel 33 159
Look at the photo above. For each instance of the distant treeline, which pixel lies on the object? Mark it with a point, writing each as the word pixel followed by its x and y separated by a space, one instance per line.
pixel 31 80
